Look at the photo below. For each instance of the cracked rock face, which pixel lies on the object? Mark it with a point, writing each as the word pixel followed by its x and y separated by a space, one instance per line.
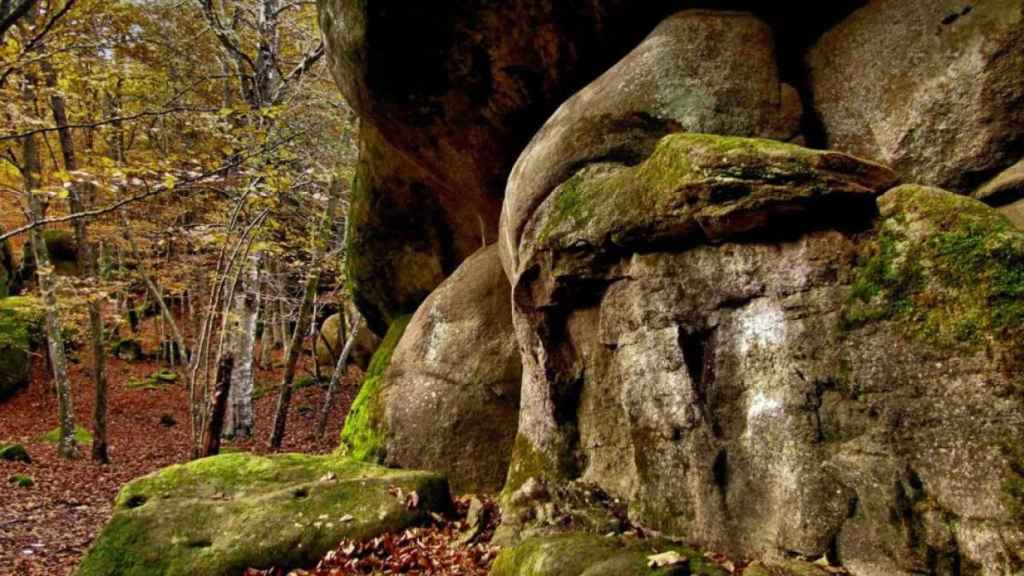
pixel 745 342
pixel 738 395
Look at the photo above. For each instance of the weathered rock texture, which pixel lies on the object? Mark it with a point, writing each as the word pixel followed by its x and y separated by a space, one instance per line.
pixel 448 400
pixel 1006 191
pixel 934 88
pixel 448 96
pixel 332 341
pixel 219 516
pixel 699 71
pixel 796 386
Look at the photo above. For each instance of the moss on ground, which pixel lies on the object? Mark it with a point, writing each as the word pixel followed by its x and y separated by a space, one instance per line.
pixel 82 436
pixel 949 268
pixel 362 437
pixel 573 554
pixel 221 515
pixel 21 481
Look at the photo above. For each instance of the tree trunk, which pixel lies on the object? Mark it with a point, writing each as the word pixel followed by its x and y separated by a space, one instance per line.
pixel 66 447
pixel 218 404
pixel 81 198
pixel 267 338
pixel 154 292
pixel 302 325
pixel 339 371
pixel 239 421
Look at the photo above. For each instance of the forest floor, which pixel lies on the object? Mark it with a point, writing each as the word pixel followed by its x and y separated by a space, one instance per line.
pixel 46 528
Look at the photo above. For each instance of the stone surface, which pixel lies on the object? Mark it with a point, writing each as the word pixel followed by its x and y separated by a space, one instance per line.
pixel 1015 212
pixel 698 71
pixel 218 516
pixel 449 397
pixel 330 345
pixel 932 87
pixel 1006 188
pixel 449 94
pixel 21 320
pixel 583 554
pixel 796 384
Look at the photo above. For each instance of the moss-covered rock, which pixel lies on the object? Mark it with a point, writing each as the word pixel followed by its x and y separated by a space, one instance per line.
pixel 362 437
pixel 699 187
pixel 949 268
pixel 63 252
pixel 581 554
pixel 127 349
pixel 21 319
pixel 14 453
pixel 217 516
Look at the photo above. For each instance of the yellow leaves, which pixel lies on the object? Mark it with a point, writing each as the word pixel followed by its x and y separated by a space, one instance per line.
pixel 169 181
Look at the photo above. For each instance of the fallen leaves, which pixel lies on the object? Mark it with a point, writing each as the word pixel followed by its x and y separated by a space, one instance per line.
pixel 437 549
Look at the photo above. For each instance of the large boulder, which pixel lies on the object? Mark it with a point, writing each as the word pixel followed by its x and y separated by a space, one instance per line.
pixel 218 516
pixel 449 94
pixel 448 399
pixel 932 87
pixel 21 320
pixel 698 71
pixel 728 339
pixel 332 342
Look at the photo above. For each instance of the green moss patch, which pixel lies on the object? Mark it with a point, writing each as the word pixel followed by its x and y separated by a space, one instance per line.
pixel 573 554
pixel 21 481
pixel 21 321
pixel 527 462
pixel 82 436
pixel 219 515
pixel 949 268
pixel 14 453
pixel 700 185
pixel 362 437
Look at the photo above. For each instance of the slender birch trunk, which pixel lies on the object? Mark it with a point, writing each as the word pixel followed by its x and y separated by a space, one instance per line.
pixel 239 419
pixel 67 446
pixel 302 325
pixel 80 199
pixel 339 370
